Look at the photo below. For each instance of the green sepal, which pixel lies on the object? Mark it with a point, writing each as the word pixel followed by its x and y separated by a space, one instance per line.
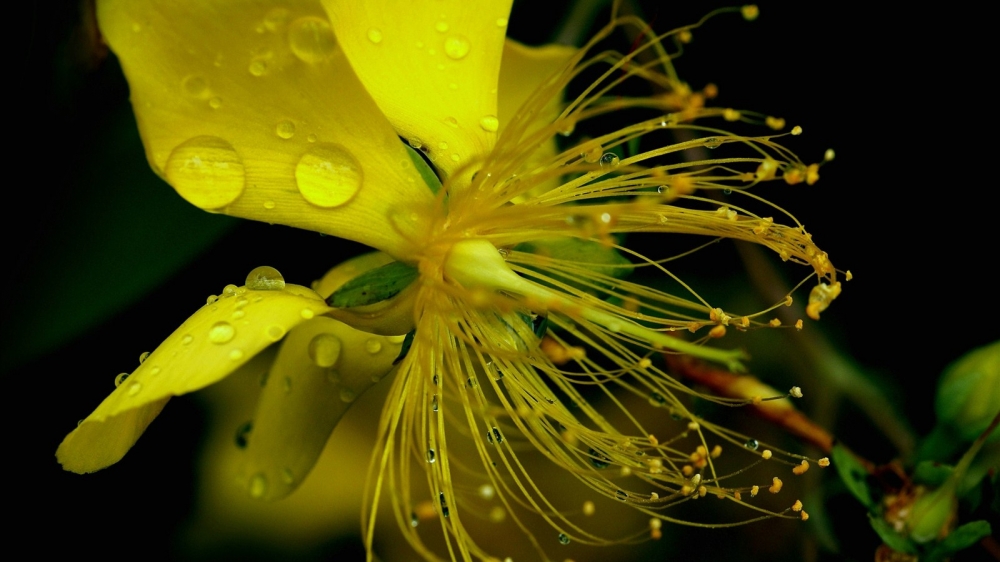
pixel 890 537
pixel 959 539
pixel 431 179
pixel 375 285
pixel 853 474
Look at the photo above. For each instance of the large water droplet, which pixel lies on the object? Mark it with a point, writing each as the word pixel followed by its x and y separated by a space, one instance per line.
pixel 206 171
pixel 490 123
pixel 120 379
pixel 195 86
pixel 285 129
pixel 373 346
pixel 312 39
pixel 563 538
pixel 456 47
pixel 328 175
pixel 221 332
pixel 324 350
pixel 751 444
pixel 609 160
pixel 258 486
pixel 712 142
pixel 375 35
pixel 265 278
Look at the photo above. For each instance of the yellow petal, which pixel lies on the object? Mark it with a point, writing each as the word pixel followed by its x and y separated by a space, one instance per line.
pixel 253 111
pixel 323 366
pixel 211 344
pixel 432 68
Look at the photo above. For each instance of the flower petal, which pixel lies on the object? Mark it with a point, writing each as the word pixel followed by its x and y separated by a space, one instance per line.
pixel 432 69
pixel 323 366
pixel 524 69
pixel 253 111
pixel 211 344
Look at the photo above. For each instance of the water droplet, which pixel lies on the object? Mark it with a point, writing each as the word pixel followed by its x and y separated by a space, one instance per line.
pixel 265 278
pixel 285 129
pixel 312 138
pixel 206 171
pixel 598 459
pixel 375 35
pixel 229 291
pixel 487 492
pixel 307 313
pixel 445 512
pixel 328 175
pixel 501 22
pixel 324 350
pixel 194 86
pixel 417 143
pixel 258 486
pixel 434 403
pixel 134 389
pixel 347 395
pixel 431 457
pixel 657 399
pixel 275 332
pixel 237 314
pixel 413 520
pixel 489 436
pixel 751 444
pixel 276 19
pixel 333 376
pixel 258 67
pixel 441 26
pixel 435 380
pixel 215 103
pixel 712 142
pixel 243 434
pixel 621 495
pixel 312 39
pixel 221 332
pixel 490 123
pixel 143 356
pixel 154 371
pixel 663 189
pixel 120 379
pixel 236 354
pixel 373 346
pixel 497 435
pixel 187 339
pixel 456 47
pixel 451 121
pixel 592 154
pixel 563 539
pixel 727 191
pixel 269 204
pixel 287 476
pixel 443 145
pixel 609 160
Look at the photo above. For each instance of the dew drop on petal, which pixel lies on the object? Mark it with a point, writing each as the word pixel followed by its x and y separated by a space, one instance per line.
pixel 276 19
pixel 206 171
pixel 120 379
pixel 285 129
pixel 324 350
pixel 265 278
pixel 194 86
pixel 441 26
pixel 373 346
pixel 187 339
pixel 236 354
pixel 490 123
pixel 307 313
pixel 143 356
pixel 287 476
pixel 258 67
pixel 269 204
pixel 311 137
pixel 243 434
pixel 347 395
pixel 328 175
pixel 311 39
pixel 134 388
pixel 258 486
pixel 501 22
pixel 451 121
pixel 375 35
pixel 229 291
pixel 456 47
pixel 275 332
pixel 221 332
pixel 215 102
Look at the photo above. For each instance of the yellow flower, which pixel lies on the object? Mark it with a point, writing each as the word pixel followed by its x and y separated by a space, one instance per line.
pixel 498 298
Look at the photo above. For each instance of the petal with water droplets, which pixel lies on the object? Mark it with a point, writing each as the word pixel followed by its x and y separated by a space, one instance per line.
pixel 254 111
pixel 207 347
pixel 433 69
pixel 322 367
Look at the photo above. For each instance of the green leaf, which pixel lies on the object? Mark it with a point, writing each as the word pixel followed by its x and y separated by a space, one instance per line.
pixel 853 474
pixel 374 286
pixel 959 539
pixel 424 169
pixel 890 537
pixel 931 473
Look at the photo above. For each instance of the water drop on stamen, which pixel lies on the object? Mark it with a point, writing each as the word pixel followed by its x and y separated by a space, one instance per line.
pixel 563 538
pixel 431 457
pixel 609 160
pixel 434 403
pixel 751 444
pixel 712 143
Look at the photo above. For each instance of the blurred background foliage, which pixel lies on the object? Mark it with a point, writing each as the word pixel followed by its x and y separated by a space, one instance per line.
pixel 107 261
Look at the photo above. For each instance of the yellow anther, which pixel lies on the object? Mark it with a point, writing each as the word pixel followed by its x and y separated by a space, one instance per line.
pixel 745 321
pixel 795 392
pixel 750 12
pixel 774 323
pixel 702 491
pixel 694 327
pixel 696 479
pixel 796 130
pixel 776 485
pixel 793 176
pixel 653 440
pixel 823 462
pixel 776 123
pixel 625 471
pixel 717 332
pixel 687 470
pixel 849 275
pixel 754 490
pixel 694 426
pixel 655 523
pixel 756 400
pixel 820 298
pixel 710 91
pixel 788 300
pixel 654 496
pixel 716 451
pixel 797 506
pixel 684 36
pixel 588 508
pixel 644 363
pixel 802 468
pixel 803 515
pixel 812 174
pixel 767 170
pixel 764 226
pixel 798 324
pixel 829 155
pixel 737 496
pixel 731 114
pixel 766 454
pixel 686 490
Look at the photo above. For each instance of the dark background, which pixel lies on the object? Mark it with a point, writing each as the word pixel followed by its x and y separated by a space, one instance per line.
pixel 105 260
